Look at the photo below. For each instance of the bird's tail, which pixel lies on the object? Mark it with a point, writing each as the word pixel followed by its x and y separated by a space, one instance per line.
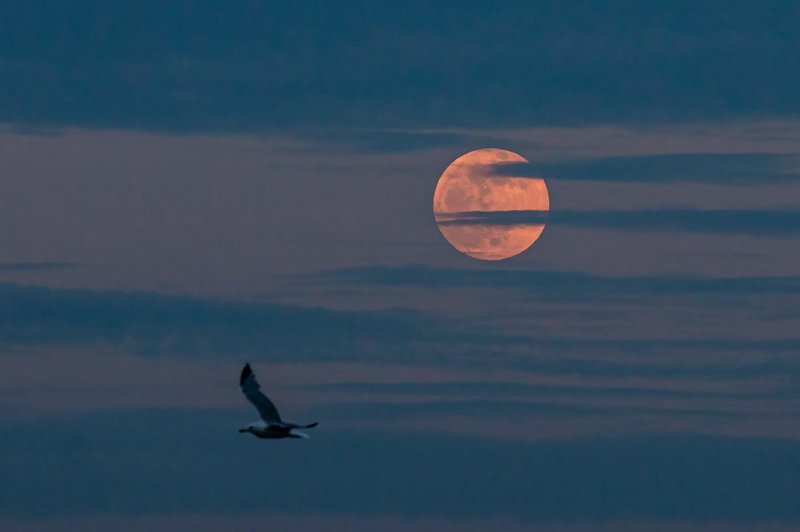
pixel 309 426
pixel 295 434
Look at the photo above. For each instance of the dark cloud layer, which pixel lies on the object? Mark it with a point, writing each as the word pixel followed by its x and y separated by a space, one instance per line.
pixel 557 284
pixel 190 65
pixel 709 168
pixel 34 266
pixel 751 222
pixel 154 462
pixel 387 141
pixel 149 323
pixel 491 398
pixel 575 322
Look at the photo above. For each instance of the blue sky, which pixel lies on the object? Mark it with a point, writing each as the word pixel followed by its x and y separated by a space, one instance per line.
pixel 189 186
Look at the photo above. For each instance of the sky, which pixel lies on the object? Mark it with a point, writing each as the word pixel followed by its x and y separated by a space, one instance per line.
pixel 188 186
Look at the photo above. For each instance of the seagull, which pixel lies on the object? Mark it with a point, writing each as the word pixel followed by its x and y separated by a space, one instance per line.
pixel 270 426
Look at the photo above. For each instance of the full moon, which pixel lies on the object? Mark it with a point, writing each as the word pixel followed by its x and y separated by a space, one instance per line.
pixel 469 184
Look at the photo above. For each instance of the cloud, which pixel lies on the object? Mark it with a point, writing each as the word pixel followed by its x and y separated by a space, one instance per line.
pixel 555 284
pixel 147 324
pixel 706 168
pixel 35 266
pixel 751 222
pixel 388 141
pixel 494 404
pixel 605 325
pixel 150 324
pixel 247 66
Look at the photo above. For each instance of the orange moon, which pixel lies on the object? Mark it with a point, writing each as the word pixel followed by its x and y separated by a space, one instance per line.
pixel 469 185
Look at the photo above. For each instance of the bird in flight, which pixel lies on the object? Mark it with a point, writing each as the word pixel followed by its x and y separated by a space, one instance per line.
pixel 270 426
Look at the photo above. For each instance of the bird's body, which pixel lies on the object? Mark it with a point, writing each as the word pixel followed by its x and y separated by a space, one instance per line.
pixel 270 426
pixel 271 431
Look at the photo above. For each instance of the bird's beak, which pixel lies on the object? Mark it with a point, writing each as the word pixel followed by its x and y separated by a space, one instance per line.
pixel 242 430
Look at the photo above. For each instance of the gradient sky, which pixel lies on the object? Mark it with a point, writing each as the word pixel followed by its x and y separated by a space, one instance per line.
pixel 186 186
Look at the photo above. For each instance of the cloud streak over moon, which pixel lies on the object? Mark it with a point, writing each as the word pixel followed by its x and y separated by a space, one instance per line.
pixel 776 223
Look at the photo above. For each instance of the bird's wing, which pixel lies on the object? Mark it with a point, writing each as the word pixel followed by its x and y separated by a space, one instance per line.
pixel 252 390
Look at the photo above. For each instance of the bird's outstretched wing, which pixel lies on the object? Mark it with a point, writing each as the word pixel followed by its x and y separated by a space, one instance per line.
pixel 252 390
